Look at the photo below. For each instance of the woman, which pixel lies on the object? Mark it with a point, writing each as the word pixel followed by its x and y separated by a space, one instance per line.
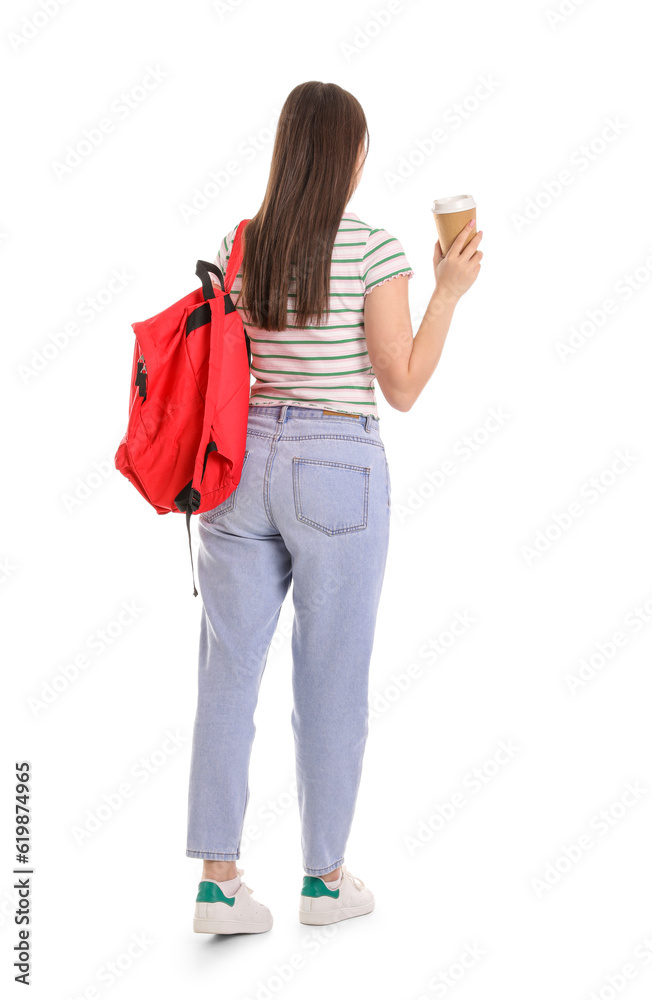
pixel 327 312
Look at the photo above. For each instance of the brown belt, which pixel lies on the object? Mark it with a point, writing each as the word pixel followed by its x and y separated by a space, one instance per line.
pixel 337 413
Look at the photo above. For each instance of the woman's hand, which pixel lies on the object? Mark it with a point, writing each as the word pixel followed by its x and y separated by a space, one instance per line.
pixel 456 272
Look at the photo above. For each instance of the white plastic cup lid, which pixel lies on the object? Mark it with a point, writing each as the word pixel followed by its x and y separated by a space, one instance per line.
pixel 457 203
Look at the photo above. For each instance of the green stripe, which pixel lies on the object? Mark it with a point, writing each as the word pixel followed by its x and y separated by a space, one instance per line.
pixel 380 262
pixel 315 357
pixel 211 893
pixel 335 310
pixel 313 886
pixel 334 326
pixel 273 340
pixel 281 371
pixel 379 247
pixel 319 399
pixel 378 280
pixel 302 386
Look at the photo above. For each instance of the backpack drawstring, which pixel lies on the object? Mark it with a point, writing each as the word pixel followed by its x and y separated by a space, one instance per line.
pixel 188 516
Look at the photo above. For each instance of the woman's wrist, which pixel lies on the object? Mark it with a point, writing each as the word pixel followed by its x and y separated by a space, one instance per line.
pixel 443 300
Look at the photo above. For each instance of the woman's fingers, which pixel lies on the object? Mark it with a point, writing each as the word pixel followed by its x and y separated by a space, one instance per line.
pixel 458 242
pixel 471 248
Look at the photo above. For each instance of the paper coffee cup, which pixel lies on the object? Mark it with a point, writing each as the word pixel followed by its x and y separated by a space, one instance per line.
pixel 451 216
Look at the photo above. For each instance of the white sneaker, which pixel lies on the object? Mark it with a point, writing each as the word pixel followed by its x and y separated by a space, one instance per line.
pixel 321 905
pixel 216 913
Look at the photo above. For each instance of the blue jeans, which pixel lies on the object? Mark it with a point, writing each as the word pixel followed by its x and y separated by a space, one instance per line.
pixel 312 508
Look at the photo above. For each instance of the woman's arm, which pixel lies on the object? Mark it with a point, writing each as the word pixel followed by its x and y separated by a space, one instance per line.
pixel 404 364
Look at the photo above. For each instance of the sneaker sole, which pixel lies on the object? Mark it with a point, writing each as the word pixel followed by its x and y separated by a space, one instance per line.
pixel 321 917
pixel 201 925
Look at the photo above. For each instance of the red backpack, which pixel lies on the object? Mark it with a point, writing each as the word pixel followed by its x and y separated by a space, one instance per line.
pixel 189 399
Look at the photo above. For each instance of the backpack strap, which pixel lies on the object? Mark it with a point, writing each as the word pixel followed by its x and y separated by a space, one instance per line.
pixel 232 268
pixel 202 269
pixel 214 362
pixel 235 259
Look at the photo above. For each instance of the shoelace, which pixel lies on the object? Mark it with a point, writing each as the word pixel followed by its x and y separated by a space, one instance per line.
pixel 240 872
pixel 358 883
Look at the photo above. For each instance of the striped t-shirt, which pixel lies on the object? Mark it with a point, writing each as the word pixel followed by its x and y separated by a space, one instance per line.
pixel 328 366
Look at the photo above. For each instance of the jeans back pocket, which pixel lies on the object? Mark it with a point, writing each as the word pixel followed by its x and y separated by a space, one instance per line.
pixel 331 496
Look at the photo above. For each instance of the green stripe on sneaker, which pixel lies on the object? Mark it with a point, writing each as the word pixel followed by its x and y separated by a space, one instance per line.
pixel 314 886
pixel 211 893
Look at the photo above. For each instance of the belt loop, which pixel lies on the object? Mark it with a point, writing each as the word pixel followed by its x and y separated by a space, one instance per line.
pixel 367 423
pixel 281 416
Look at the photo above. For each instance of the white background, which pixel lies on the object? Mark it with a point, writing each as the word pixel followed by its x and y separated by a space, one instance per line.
pixel 496 875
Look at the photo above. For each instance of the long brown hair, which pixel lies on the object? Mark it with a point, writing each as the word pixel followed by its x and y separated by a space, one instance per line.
pixel 288 244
